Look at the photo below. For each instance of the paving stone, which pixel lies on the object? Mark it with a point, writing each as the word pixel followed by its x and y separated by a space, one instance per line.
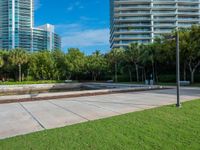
pixel 14 120
pixel 50 115
pixel 85 110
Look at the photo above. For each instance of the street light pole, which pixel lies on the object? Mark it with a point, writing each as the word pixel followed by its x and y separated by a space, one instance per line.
pixel 178 69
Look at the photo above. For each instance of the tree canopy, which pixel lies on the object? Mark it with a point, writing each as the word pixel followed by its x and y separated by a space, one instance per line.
pixel 137 62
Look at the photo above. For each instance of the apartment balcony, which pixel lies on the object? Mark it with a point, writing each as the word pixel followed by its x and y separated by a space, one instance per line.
pixel 132 25
pixel 164 8
pixel 188 13
pixel 170 14
pixel 164 2
pixel 132 8
pixel 131 32
pixel 131 38
pixel 185 25
pixel 188 20
pixel 165 25
pixel 132 2
pixel 132 14
pixel 131 20
pixel 119 45
pixel 188 1
pixel 164 19
pixel 162 31
pixel 126 44
pixel 188 8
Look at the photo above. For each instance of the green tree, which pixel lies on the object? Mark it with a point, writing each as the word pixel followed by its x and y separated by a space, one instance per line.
pixel 19 57
pixel 193 53
pixel 151 54
pixel 1 62
pixel 6 68
pixel 96 64
pixel 133 56
pixel 60 64
pixel 189 40
pixel 184 40
pixel 42 66
pixel 75 60
pixel 115 56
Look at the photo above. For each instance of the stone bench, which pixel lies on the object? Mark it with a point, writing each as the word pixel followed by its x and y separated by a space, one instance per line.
pixel 184 83
pixel 68 81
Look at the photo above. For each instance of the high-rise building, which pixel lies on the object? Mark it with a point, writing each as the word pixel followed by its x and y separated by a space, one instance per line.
pixel 17 28
pixel 44 37
pixel 142 20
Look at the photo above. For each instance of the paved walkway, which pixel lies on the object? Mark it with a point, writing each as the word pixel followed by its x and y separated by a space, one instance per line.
pixel 27 117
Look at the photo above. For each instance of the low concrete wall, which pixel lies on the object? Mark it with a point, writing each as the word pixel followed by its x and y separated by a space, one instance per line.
pixel 37 87
pixel 113 85
pixel 49 96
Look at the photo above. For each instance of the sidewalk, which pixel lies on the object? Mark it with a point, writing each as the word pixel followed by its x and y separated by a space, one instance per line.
pixel 26 117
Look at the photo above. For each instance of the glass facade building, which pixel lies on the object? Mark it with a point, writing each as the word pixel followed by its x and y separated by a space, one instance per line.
pixel 17 28
pixel 44 37
pixel 142 20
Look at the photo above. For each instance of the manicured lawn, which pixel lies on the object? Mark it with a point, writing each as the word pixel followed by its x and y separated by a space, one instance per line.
pixel 163 128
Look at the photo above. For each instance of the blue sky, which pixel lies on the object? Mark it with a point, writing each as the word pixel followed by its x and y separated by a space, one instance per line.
pixel 82 24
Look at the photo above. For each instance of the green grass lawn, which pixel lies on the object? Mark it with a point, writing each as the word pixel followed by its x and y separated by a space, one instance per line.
pixel 165 128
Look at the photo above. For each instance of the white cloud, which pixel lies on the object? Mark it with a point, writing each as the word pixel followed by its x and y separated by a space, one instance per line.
pixel 70 8
pixel 75 5
pixel 66 28
pixel 84 18
pixel 37 4
pixel 75 35
pixel 93 37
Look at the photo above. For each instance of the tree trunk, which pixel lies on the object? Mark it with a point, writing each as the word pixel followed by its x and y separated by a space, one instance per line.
pixel 184 72
pixel 20 73
pixel 145 77
pixel 193 70
pixel 116 78
pixel 153 71
pixel 192 77
pixel 94 76
pixel 142 75
pixel 69 77
pixel 137 72
pixel 156 73
pixel 130 75
pixel 58 78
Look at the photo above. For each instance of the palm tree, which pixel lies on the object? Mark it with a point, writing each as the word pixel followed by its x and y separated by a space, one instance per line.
pixel 133 56
pixel 18 57
pixel 96 64
pixel 115 57
pixel 1 62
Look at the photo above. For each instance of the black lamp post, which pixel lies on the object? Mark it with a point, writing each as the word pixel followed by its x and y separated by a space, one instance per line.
pixel 178 104
pixel 178 69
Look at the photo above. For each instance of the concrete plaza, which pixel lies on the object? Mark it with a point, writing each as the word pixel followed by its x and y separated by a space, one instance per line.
pixel 26 117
